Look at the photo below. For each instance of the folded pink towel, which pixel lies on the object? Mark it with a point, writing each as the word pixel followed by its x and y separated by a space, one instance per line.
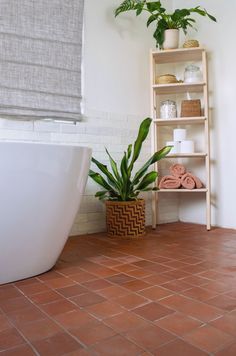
pixel 170 182
pixel 177 170
pixel 189 181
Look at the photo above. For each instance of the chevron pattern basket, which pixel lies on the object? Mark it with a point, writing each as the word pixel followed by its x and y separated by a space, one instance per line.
pixel 125 219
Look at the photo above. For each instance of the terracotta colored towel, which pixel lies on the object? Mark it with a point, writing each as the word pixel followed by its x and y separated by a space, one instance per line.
pixel 189 181
pixel 177 170
pixel 170 182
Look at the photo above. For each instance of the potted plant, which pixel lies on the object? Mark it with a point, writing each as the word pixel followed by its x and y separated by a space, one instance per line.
pixel 125 212
pixel 167 24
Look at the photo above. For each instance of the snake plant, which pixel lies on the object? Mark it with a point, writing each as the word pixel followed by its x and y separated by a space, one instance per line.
pixel 179 19
pixel 119 183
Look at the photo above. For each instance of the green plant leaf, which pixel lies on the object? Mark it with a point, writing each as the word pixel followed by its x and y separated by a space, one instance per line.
pixel 210 16
pixel 102 194
pixel 100 180
pixel 105 171
pixel 155 158
pixel 114 167
pixel 154 6
pixel 126 5
pixel 129 151
pixel 125 177
pixel 148 179
pixel 151 19
pixel 139 8
pixel 142 134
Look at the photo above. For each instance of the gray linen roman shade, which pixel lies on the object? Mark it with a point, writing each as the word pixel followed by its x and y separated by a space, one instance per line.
pixel 40 58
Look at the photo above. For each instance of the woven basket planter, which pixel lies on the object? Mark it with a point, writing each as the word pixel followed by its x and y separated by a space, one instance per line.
pixel 125 219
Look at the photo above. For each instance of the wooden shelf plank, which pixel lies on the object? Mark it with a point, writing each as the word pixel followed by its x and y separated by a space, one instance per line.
pixel 178 55
pixel 203 190
pixel 175 88
pixel 180 121
pixel 186 155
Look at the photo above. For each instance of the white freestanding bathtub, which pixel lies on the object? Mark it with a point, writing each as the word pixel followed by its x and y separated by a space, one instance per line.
pixel 41 186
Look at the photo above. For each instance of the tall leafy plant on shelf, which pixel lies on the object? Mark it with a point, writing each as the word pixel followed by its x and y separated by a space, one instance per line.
pixel 121 188
pixel 179 19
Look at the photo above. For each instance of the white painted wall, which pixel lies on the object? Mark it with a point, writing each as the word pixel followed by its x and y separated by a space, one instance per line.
pixel 219 40
pixel 116 99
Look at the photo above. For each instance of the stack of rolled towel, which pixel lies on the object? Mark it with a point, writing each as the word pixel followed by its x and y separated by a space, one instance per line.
pixel 180 178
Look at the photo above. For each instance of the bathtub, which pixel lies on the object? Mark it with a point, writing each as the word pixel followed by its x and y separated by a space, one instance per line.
pixel 41 186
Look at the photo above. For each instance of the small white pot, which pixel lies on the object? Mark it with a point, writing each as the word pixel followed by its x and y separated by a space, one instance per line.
pixel 171 39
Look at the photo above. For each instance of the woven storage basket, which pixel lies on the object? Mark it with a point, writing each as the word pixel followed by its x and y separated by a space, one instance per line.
pixel 191 44
pixel 166 79
pixel 125 219
pixel 191 108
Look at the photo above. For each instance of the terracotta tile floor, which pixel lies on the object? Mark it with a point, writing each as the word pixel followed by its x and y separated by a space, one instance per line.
pixel 173 293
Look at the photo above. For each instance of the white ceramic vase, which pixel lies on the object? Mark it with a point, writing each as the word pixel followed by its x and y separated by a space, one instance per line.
pixel 171 39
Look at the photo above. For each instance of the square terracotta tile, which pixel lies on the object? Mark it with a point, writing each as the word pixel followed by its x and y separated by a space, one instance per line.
pixel 4 323
pixel 158 268
pixel 176 286
pixel 69 271
pixel 176 302
pixel 49 275
pixel 195 281
pixel 232 293
pixel 125 268
pixel 131 301
pixel 26 315
pixel 152 311
pixel 223 302
pixel 155 293
pixel 22 350
pixel 83 277
pixel 201 311
pixel 59 282
pixel 27 281
pixel 125 321
pixel 10 338
pixel 117 346
pixel 33 288
pixel 139 273
pixel 104 272
pixel 191 260
pixel 200 294
pixel 158 279
pixel 41 329
pixel 8 292
pixel 113 292
pixel 97 284
pixel 208 338
pixel 150 337
pixel 144 264
pixel 93 334
pixel 46 297
pixel 72 290
pixel 178 324
pixel 75 319
pixel 216 286
pixel 58 307
pixel 228 351
pixel 58 344
pixel 136 285
pixel 86 299
pixel 179 348
pixel 226 323
pixel 120 278
pixel 105 309
pixel 12 304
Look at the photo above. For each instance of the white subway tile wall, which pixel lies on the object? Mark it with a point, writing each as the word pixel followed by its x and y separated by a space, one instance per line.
pixel 98 130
